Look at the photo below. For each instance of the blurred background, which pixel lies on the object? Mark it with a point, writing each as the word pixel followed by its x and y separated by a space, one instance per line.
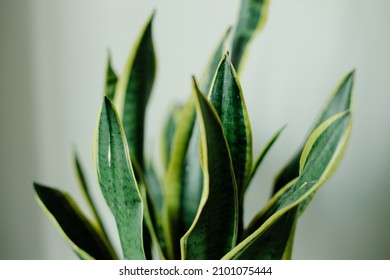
pixel 52 66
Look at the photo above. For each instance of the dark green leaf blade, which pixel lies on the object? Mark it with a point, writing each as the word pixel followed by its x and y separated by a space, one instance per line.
pixel 168 134
pixel 111 80
pixel 192 180
pixel 320 157
pixel 339 101
pixel 227 98
pixel 84 238
pixel 214 231
pixel 251 20
pixel 134 89
pixel 184 179
pixel 117 181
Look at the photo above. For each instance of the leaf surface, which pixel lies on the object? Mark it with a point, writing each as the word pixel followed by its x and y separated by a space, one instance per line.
pixel 184 179
pixel 251 20
pixel 84 238
pixel 117 181
pixel 227 98
pixel 339 100
pixel 134 89
pixel 214 230
pixel 320 156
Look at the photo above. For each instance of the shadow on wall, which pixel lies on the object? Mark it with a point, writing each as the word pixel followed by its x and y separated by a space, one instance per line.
pixel 20 217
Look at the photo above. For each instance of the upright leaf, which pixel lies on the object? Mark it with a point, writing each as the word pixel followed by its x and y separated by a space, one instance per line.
pixel 111 80
pixel 251 19
pixel 228 101
pixel 134 89
pixel 117 181
pixel 214 230
pixel 320 157
pixel 192 180
pixel 339 101
pixel 184 180
pixel 173 181
pixel 84 238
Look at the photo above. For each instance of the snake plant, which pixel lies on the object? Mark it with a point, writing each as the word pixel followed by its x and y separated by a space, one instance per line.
pixel 190 205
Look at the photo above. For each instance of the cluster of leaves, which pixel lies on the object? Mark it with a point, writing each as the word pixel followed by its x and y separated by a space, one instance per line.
pixel 194 210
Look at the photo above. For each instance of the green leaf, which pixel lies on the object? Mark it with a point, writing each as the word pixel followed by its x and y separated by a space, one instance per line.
pixel 152 216
pixel 134 89
pixel 251 20
pixel 214 230
pixel 338 101
pixel 84 238
pixel 213 63
pixel 227 98
pixel 228 101
pixel 117 181
pixel 319 159
pixel 111 80
pixel 183 180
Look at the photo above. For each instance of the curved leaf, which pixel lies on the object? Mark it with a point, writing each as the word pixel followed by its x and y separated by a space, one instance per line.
pixel 134 89
pixel 184 178
pixel 338 101
pixel 251 20
pixel 228 101
pixel 227 98
pixel 214 230
pixel 84 238
pixel 117 181
pixel 173 181
pixel 192 180
pixel 322 154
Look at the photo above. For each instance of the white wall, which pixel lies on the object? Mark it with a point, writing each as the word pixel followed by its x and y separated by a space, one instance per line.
pixel 52 65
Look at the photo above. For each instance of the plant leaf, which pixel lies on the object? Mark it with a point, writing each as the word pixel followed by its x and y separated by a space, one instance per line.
pixel 192 181
pixel 84 238
pixel 173 181
pixel 251 20
pixel 111 80
pixel 227 98
pixel 214 230
pixel 117 181
pixel 319 159
pixel 228 101
pixel 338 101
pixel 134 89
pixel 184 179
